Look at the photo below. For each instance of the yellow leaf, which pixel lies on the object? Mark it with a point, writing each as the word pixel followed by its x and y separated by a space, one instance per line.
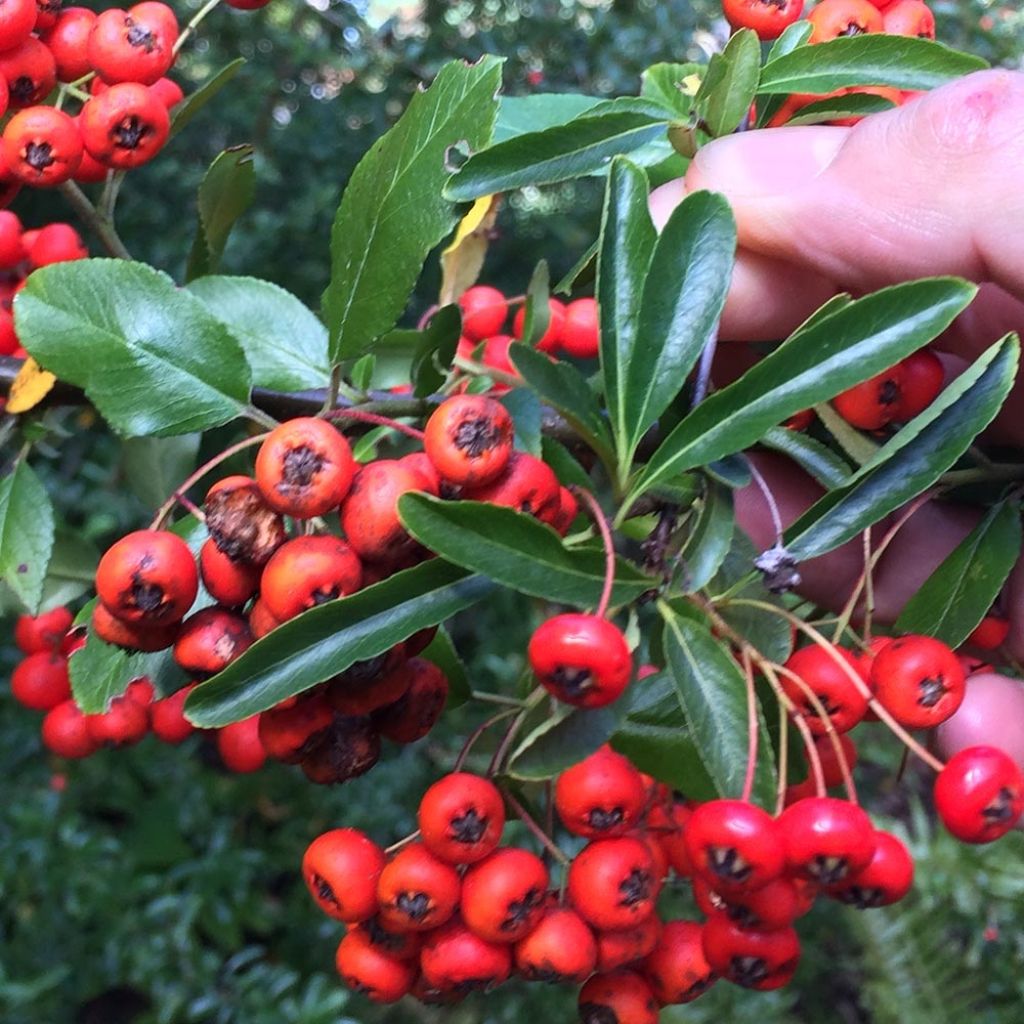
pixel 463 259
pixel 30 387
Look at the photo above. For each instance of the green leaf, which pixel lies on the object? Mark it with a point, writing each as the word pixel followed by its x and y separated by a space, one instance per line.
pixel 958 595
pixel 528 416
pixel 730 84
pixel 561 741
pixel 515 550
pixel 625 250
pixel 26 534
pixel 712 693
pixel 913 459
pixel 564 388
pixel 392 213
pixel 521 115
pixel 810 455
pixel 149 355
pixel 710 538
pixel 537 311
pixel 435 351
pixel 904 62
pixel 100 672
pixel 572 150
pixel 795 35
pixel 441 651
pixel 585 264
pixel 857 445
pixel 326 640
pixel 682 299
pixel 834 353
pixel 656 738
pixel 362 372
pixel 225 193
pixel 154 466
pixel 834 108
pixel 71 571
pixel 191 105
pixel 663 83
pixel 284 342
pixel 561 460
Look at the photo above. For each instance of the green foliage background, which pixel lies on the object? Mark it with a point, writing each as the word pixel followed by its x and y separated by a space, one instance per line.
pixel 149 886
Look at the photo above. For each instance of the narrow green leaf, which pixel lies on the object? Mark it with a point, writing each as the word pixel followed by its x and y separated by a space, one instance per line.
pixel 284 341
pixel 810 455
pixel 149 355
pixel 225 193
pixel 537 311
pixel 192 104
pixel 834 108
pixel 816 363
pixel 571 150
pixel 795 35
pixel 904 62
pixel 327 639
pixel 26 534
pixel 710 538
pixel 857 445
pixel 528 416
pixel 561 741
pixel 584 266
pixel 522 115
pixel 958 595
pixel 625 250
pixel 435 351
pixel 682 299
pixel 913 459
pixel 712 693
pixel 515 550
pixel 393 213
pixel 564 388
pixel 566 468
pixel 730 84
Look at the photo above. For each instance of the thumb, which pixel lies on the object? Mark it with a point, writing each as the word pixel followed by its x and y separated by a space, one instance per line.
pixel 931 187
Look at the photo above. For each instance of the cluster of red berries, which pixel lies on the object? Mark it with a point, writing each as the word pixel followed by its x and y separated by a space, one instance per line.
pixel 123 121
pixel 833 19
pixel 40 681
pixel 21 252
pixel 260 577
pixel 572 329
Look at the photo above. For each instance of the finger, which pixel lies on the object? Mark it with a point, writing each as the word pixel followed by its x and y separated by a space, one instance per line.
pixel 867 206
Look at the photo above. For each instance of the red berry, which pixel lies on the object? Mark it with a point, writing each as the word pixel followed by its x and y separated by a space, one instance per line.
pixel 623 946
pixel 148 577
pixel 305 468
pixel 68 41
pixel 43 632
pixel 979 795
pixel 414 714
pixel 762 960
pixel 677 969
pixel 503 895
pixel 831 19
pixel 468 438
pixel 483 312
pixel 240 522
pixel 124 723
pixel 990 633
pixel 560 949
pixel 17 19
pixel 287 731
pixel 886 879
pixel 875 402
pixel 551 339
pixel 923 377
pixel 581 330
pixel 369 514
pixel 909 18
pixel 29 71
pixel 369 685
pixel 307 571
pixel 239 746
pixel 364 968
pixel 601 796
pixel 456 959
pixel 40 681
pixel 734 846
pixel 775 905
pixel 768 18
pixel 581 659
pixel 666 822
pixel 827 840
pixel 341 869
pixel 168 92
pixel 840 697
pixel 124 127
pixel 399 945
pixel 210 640
pixel 416 891
pixel 56 243
pixel 167 717
pixel 229 582
pixel 136 45
pixel 621 997
pixel 612 882
pixel 12 247
pixel 919 680
pixel 42 146
pixel 66 732
pixel 527 484
pixel 461 818
pixel 142 636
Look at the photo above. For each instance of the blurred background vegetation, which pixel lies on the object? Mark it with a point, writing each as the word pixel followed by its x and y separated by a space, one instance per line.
pixel 147 885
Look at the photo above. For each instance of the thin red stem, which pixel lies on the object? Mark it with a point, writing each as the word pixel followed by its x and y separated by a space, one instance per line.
pixel 813 757
pixel 165 509
pixel 542 837
pixel 597 514
pixel 477 733
pixel 375 418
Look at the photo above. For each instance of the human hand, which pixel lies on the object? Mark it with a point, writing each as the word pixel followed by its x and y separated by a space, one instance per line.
pixel 932 187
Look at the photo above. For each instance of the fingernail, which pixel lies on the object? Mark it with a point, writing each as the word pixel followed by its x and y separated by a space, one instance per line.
pixel 759 164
